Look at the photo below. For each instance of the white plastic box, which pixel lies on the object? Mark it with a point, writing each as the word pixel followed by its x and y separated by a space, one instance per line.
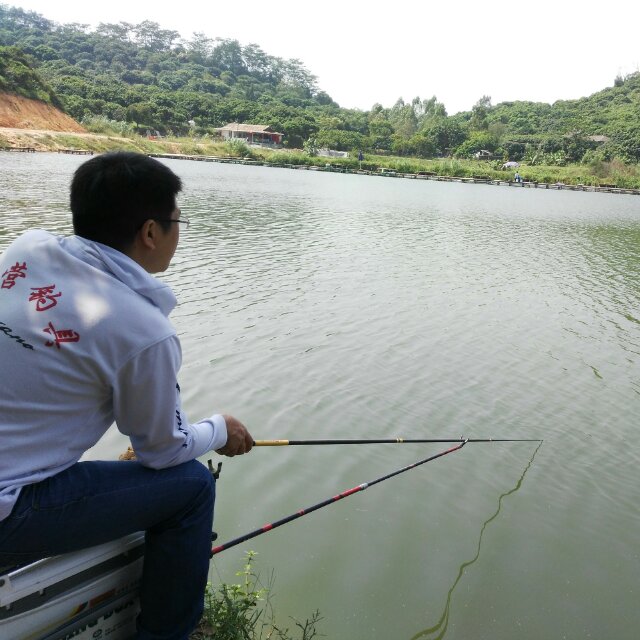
pixel 86 595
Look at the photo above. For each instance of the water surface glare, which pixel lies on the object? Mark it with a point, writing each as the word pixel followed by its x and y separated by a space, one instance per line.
pixel 317 305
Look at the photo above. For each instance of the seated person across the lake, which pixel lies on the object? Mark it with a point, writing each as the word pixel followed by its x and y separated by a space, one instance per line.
pixel 85 340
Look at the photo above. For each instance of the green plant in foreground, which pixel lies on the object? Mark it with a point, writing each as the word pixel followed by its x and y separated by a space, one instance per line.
pixel 244 612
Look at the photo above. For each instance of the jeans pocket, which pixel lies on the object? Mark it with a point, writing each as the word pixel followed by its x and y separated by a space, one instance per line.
pixel 56 493
pixel 23 505
pixel 12 526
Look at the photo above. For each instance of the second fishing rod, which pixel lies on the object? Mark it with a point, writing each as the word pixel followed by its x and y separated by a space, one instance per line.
pixel 325 503
pixel 349 492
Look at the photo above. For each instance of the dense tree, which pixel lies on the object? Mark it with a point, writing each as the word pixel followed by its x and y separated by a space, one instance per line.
pixel 17 76
pixel 151 77
pixel 227 54
pixel 199 48
pixel 479 113
pixel 380 133
pixel 403 119
pixel 149 35
pixel 446 135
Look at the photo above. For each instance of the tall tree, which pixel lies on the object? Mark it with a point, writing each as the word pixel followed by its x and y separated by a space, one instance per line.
pixel 122 31
pixel 150 35
pixel 200 47
pixel 479 113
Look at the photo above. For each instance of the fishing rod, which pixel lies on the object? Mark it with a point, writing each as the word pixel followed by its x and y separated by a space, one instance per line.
pixel 289 443
pixel 328 501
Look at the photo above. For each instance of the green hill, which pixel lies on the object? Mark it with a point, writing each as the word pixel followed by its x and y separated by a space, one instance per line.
pixel 146 77
pixel 17 76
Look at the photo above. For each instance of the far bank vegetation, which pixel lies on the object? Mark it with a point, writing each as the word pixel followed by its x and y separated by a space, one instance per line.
pixel 134 80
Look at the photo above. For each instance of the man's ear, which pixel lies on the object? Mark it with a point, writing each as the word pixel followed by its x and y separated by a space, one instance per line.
pixel 147 234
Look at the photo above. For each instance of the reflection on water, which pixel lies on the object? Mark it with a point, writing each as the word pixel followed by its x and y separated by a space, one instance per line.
pixel 440 628
pixel 337 306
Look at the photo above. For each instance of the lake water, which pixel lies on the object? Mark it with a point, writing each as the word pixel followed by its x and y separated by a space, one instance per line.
pixel 316 305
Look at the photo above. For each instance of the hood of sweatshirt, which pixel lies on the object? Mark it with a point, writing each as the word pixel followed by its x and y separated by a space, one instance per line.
pixel 123 268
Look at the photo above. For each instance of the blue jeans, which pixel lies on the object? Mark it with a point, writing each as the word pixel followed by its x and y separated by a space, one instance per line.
pixel 95 502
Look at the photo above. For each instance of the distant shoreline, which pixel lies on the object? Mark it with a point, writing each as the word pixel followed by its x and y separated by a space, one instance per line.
pixel 15 140
pixel 559 186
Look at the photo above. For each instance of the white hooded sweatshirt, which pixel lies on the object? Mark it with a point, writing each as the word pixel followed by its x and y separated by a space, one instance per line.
pixel 84 342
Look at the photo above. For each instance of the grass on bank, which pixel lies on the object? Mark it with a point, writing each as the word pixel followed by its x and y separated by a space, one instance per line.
pixel 614 173
pixel 244 611
pixel 108 136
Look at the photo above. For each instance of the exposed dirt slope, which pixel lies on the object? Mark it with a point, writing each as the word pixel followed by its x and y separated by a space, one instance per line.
pixel 24 113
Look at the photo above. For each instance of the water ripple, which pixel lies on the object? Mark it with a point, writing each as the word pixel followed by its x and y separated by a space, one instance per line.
pixel 329 306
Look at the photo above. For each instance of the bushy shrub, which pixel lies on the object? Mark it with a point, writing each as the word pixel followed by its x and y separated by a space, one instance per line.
pixel 102 124
pixel 243 611
pixel 237 148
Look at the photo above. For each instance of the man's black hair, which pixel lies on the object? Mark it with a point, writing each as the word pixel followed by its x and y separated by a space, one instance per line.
pixel 113 194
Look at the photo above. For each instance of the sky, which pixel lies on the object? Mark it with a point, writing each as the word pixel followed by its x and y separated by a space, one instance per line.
pixel 367 52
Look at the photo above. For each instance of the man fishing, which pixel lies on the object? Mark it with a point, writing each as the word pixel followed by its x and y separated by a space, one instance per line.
pixel 85 341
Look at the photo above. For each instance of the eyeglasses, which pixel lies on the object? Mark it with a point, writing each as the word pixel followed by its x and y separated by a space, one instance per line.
pixel 184 221
pixel 180 221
